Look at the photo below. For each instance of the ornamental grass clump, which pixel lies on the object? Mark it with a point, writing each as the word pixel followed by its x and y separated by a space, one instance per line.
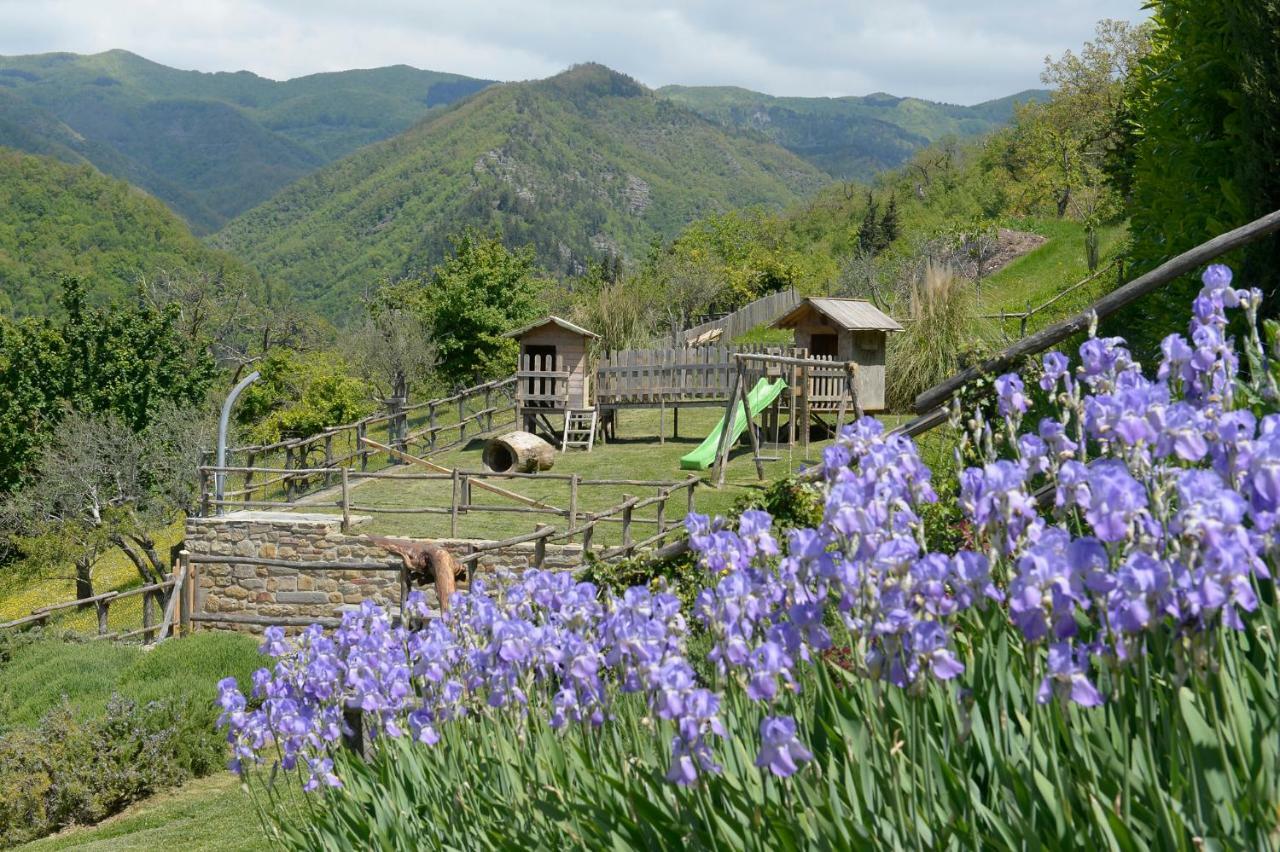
pixel 1095 668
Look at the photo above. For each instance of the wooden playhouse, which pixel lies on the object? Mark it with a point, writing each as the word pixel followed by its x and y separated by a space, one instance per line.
pixel 844 330
pixel 553 378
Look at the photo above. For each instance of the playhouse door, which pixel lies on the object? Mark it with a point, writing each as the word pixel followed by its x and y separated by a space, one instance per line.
pixel 540 359
pixel 824 346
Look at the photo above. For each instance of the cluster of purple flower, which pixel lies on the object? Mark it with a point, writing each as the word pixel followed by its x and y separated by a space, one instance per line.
pixel 543 643
pixel 1163 503
pixel 1164 499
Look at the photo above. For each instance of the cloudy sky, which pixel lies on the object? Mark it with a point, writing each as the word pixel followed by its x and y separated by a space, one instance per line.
pixel 961 51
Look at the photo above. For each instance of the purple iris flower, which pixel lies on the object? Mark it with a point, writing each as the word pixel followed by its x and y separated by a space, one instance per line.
pixel 780 751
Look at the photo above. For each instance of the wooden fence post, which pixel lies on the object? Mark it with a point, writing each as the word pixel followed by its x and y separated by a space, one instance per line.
pixel 587 533
pixel 462 416
pixel 488 408
pixel 431 423
pixel 693 484
pixel 248 478
pixel 362 429
pixel 1022 329
pixel 662 510
pixel 540 547
pixel 346 500
pixel 148 617
pixel 186 592
pixel 288 480
pixel 626 525
pixel 573 505
pixel 466 494
pixel 453 506
pixel 804 409
pixel 103 607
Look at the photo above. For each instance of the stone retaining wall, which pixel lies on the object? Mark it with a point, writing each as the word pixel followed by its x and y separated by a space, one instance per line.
pixel 284 592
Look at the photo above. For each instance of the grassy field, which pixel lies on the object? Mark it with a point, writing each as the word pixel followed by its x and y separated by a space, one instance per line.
pixel 1041 274
pixel 636 454
pixel 46 672
pixel 213 814
pixel 20 593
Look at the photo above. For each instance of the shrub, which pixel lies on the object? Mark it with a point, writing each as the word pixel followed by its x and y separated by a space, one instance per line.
pixel 943 329
pixel 67 771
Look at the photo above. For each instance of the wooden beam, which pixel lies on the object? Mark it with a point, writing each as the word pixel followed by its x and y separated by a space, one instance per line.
pixel 439 468
pixel 1104 307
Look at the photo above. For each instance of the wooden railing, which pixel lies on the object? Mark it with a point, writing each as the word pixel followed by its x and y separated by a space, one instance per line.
pixel 650 376
pixel 463 483
pixel 542 380
pixel 160 602
pixel 301 466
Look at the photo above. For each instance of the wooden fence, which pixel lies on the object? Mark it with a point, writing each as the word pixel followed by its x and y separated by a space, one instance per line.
pixel 763 310
pixel 579 522
pixel 162 604
pixel 647 377
pixel 1024 317
pixel 304 465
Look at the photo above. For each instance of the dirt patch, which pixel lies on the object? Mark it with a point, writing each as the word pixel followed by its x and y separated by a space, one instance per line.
pixel 1010 246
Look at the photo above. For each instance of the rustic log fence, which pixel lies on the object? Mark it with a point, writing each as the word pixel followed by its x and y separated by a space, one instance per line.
pixel 1023 317
pixel 161 604
pixel 579 522
pixel 301 466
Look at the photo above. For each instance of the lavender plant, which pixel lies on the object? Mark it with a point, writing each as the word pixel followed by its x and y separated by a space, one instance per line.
pixel 1096 667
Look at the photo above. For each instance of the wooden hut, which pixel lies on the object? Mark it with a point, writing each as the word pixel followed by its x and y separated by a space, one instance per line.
pixel 844 330
pixel 553 378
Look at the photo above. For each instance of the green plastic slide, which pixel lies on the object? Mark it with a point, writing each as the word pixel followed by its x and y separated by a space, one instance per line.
pixel 760 398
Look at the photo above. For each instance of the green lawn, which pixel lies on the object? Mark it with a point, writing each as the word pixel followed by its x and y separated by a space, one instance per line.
pixel 1045 272
pixel 213 813
pixel 637 454
pixel 40 674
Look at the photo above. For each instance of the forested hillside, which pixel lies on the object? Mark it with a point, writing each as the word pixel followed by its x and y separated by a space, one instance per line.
pixel 585 165
pixel 67 220
pixel 208 145
pixel 851 138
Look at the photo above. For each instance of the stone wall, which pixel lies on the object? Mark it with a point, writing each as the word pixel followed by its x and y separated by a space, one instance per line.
pixel 269 591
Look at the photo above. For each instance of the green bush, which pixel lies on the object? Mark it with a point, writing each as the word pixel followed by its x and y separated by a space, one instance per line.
pixel 88 728
pixel 790 501
pixel 67 771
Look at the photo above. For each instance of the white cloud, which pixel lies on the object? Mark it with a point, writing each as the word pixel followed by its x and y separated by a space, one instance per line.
pixel 941 49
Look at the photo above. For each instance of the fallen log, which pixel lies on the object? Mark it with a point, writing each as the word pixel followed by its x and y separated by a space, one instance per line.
pixel 522 452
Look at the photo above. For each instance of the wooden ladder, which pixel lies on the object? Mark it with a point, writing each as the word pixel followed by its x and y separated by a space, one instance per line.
pixel 579 429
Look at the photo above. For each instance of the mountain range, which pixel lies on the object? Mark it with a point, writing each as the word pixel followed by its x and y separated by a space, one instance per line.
pixel 328 183
pixel 209 145
pixel 849 138
pixel 585 165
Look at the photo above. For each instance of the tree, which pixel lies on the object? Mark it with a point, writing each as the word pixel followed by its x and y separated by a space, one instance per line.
pixel 301 394
pixel 889 222
pixel 869 230
pixel 393 349
pixel 1205 111
pixel 1059 149
pixel 128 359
pixel 476 295
pixel 99 484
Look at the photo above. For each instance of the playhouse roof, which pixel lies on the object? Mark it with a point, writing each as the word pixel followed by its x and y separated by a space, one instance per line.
pixel 849 314
pixel 551 319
